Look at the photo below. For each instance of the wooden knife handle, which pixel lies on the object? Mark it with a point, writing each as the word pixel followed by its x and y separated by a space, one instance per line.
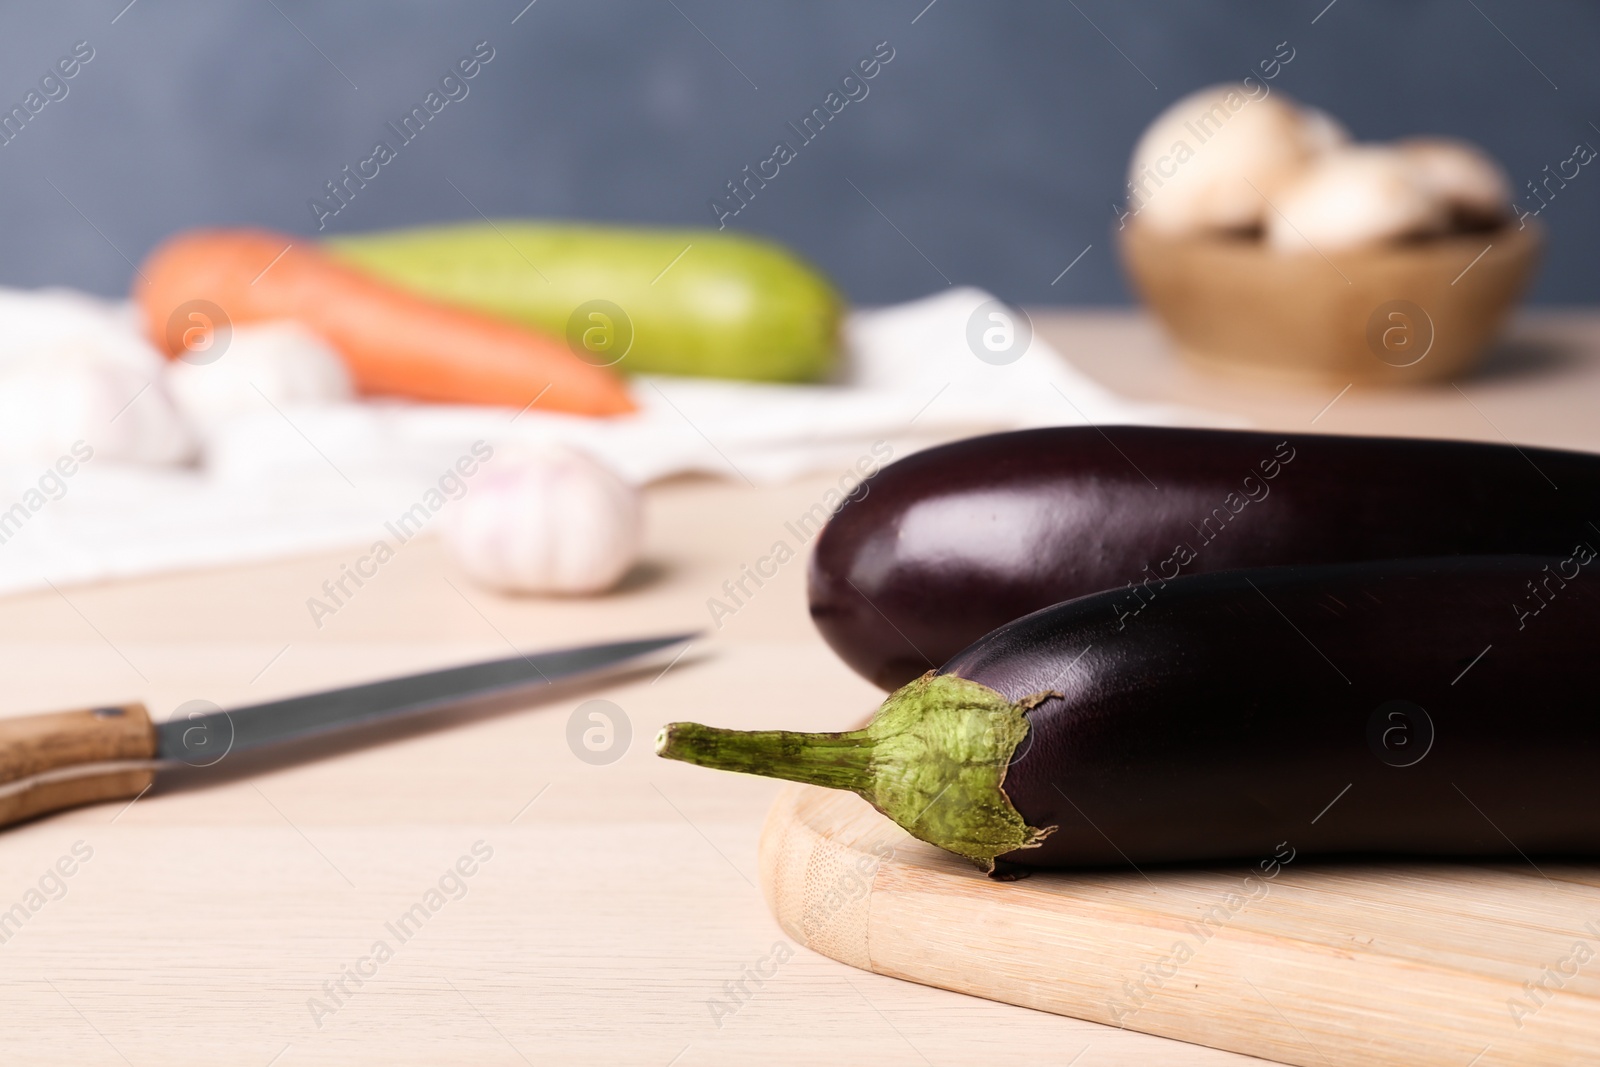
pixel 67 758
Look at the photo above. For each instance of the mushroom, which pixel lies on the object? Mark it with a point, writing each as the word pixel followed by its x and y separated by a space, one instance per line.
pixel 1321 131
pixel 1207 162
pixel 1474 187
pixel 1352 197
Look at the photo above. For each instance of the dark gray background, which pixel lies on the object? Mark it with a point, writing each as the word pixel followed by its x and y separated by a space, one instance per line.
pixel 995 140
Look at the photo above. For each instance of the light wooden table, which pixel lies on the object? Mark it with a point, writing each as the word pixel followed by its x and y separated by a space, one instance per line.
pixel 619 902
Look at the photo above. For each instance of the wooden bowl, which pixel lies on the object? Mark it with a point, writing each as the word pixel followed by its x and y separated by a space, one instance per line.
pixel 1389 315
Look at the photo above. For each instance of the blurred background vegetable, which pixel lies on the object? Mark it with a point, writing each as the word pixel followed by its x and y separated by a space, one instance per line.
pixel 73 369
pixel 649 301
pixel 393 342
pixel 279 361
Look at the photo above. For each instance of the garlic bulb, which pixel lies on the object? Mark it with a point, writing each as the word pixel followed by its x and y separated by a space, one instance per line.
pixel 1208 160
pixel 550 520
pixel 123 415
pixel 75 368
pixel 1463 176
pixel 1352 197
pixel 278 363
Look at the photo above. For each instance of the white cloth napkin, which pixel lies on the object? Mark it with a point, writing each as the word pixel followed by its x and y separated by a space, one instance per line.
pixel 293 479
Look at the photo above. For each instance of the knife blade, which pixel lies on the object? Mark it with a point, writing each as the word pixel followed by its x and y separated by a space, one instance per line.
pixel 209 737
pixel 63 759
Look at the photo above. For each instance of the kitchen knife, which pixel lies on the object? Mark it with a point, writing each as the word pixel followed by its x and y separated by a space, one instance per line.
pixel 64 759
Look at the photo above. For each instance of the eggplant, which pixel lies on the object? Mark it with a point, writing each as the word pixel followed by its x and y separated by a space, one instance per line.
pixel 939 548
pixel 1443 707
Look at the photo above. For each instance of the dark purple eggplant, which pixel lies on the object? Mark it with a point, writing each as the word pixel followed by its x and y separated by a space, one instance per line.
pixel 1418 707
pixel 945 545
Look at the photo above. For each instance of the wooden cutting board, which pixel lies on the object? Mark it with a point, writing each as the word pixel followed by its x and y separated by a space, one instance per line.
pixel 1392 964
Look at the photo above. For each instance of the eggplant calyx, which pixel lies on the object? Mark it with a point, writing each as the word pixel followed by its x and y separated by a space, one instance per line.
pixel 933 759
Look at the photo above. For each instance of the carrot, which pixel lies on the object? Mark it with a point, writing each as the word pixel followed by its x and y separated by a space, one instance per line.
pixel 394 342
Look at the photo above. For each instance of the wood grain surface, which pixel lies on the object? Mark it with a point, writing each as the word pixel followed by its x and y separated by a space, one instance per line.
pixel 1393 965
pixel 618 919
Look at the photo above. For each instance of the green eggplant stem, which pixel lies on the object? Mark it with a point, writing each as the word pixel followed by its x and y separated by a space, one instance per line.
pixel 834 761
pixel 933 759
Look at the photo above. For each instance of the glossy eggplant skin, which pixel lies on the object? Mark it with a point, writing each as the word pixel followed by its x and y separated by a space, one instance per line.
pixel 1247 709
pixel 945 545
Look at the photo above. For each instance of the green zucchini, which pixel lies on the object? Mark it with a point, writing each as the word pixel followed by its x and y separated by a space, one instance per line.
pixel 692 301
